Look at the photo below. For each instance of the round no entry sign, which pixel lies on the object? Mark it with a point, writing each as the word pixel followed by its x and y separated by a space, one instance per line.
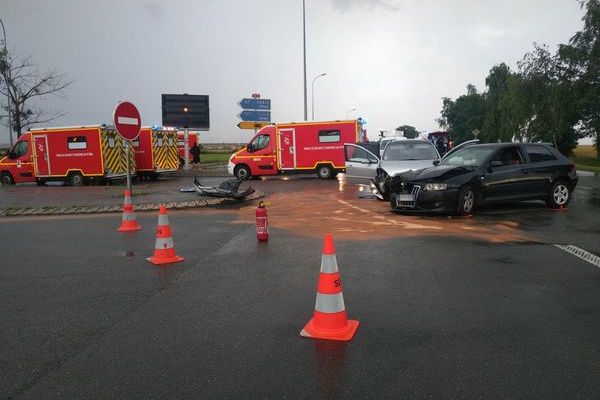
pixel 127 120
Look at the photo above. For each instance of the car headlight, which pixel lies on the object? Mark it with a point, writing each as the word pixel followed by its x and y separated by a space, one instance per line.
pixel 436 186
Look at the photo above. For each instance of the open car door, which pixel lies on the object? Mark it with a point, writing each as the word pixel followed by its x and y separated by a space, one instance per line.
pixel 460 146
pixel 361 164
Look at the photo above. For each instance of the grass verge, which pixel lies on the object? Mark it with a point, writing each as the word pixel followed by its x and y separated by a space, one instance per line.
pixel 584 157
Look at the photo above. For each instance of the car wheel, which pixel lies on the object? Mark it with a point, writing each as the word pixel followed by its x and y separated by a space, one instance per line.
pixel 466 200
pixel 242 172
pixel 75 179
pixel 559 195
pixel 6 178
pixel 325 172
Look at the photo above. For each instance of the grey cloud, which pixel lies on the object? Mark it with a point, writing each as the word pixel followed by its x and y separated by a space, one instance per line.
pixel 347 5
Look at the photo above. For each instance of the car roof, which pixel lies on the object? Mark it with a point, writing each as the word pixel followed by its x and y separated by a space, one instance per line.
pixel 412 141
pixel 506 144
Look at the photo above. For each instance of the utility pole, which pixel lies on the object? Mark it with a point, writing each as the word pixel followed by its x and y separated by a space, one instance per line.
pixel 304 46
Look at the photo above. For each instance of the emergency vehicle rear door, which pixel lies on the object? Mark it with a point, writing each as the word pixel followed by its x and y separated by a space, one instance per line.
pixel 41 159
pixel 287 148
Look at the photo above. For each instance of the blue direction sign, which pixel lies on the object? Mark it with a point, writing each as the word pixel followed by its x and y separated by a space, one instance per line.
pixel 250 115
pixel 255 104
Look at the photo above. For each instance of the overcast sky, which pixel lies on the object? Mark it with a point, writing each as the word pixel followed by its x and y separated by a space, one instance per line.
pixel 392 60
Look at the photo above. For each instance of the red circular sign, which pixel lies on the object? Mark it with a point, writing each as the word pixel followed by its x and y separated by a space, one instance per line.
pixel 127 120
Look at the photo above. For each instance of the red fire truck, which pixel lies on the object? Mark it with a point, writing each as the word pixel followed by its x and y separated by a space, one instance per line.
pixel 192 140
pixel 156 152
pixel 297 148
pixel 72 154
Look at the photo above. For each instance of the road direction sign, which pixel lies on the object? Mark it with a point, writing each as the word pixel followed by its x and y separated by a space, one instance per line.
pixel 127 120
pixel 252 125
pixel 260 116
pixel 255 104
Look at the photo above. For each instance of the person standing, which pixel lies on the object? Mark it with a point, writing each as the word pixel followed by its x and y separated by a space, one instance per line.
pixel 195 150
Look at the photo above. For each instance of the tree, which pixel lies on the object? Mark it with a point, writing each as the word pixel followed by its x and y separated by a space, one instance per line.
pixel 582 58
pixel 550 89
pixel 461 117
pixel 24 83
pixel 409 132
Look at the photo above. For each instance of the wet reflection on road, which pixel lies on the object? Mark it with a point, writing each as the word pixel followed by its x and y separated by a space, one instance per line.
pixel 316 211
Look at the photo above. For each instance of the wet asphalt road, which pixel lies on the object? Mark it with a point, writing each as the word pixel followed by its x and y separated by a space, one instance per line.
pixel 443 315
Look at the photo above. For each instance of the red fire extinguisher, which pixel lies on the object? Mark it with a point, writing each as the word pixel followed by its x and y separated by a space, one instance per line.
pixel 262 223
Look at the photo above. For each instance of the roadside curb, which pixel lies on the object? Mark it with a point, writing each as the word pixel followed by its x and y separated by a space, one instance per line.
pixel 113 208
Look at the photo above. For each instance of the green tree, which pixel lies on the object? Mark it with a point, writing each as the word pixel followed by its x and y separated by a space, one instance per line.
pixel 462 116
pixel 502 108
pixel 582 58
pixel 549 89
pixel 409 132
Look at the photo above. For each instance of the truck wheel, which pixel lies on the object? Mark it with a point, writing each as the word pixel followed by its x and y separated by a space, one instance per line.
pixel 75 179
pixel 325 172
pixel 242 172
pixel 6 178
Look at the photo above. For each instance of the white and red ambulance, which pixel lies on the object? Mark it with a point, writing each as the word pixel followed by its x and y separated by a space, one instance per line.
pixel 156 152
pixel 302 147
pixel 71 154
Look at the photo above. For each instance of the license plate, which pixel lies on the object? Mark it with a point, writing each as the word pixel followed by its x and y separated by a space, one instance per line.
pixel 405 197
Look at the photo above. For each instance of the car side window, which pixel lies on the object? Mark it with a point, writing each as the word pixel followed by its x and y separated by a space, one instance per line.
pixel 260 142
pixel 21 149
pixel 358 154
pixel 507 157
pixel 539 153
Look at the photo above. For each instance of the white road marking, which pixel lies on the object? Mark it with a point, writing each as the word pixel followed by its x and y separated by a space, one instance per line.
pixel 127 121
pixel 578 252
pixel 354 207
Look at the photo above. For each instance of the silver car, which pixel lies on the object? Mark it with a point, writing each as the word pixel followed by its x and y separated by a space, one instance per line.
pixel 362 166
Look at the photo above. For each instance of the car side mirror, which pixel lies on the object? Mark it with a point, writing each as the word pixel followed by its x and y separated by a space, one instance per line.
pixel 436 162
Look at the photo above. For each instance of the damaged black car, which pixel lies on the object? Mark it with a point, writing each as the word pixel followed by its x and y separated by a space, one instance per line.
pixel 487 173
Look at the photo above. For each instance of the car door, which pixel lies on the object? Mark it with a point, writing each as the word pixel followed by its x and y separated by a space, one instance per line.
pixel 540 168
pixel 505 177
pixel 361 164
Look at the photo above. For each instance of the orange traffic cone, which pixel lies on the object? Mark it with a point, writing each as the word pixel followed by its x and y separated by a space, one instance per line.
pixel 128 222
pixel 329 320
pixel 164 251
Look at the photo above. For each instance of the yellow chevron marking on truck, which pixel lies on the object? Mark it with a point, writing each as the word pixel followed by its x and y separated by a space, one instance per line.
pixel 166 151
pixel 113 150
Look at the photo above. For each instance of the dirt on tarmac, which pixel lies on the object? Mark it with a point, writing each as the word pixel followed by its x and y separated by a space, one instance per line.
pixel 315 211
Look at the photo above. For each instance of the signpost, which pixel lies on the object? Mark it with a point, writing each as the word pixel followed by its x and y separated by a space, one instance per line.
pixel 127 122
pixel 255 104
pixel 189 111
pixel 252 125
pixel 254 115
pixel 256 112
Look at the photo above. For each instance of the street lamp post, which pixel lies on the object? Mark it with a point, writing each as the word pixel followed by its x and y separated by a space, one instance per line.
pixel 313 93
pixel 304 46
pixel 349 111
pixel 8 105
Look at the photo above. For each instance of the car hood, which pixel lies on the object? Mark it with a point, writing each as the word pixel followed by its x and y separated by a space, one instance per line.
pixel 438 173
pixel 393 168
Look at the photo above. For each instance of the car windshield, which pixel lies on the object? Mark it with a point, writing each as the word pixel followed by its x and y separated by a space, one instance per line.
pixel 404 151
pixel 469 156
